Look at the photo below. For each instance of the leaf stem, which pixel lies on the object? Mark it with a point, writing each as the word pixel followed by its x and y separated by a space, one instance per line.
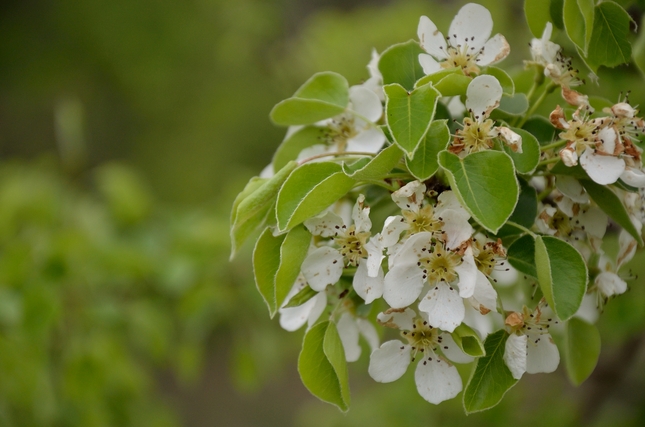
pixel 521 227
pixel 553 145
pixel 549 88
pixel 549 161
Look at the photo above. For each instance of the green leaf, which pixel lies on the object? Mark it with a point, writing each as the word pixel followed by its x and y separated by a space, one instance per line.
pixel 524 213
pixel 515 105
pixel 453 85
pixel 293 144
pixel 508 86
pixel 562 273
pixel 276 264
pixel 574 23
pixel 639 49
pixel 301 297
pixel 556 10
pixel 322 365
pixel 541 128
pixel 324 95
pixel 468 341
pixel 575 171
pixel 609 45
pixel 491 378
pixel 485 184
pixel 375 168
pixel 521 255
pixel 611 204
pixel 582 350
pixel 400 64
pixel 526 161
pixel 409 114
pixel 251 212
pixel 588 13
pixel 310 189
pixel 537 15
pixel 436 77
pixel 424 164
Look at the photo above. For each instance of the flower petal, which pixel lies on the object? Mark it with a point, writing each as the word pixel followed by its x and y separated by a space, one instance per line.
pixel 429 64
pixel 389 362
pixel 602 169
pixel 367 329
pixel 609 284
pixel 571 187
pixel 325 225
pixel 456 227
pixel 484 298
pixel 397 318
pixel 483 96
pixel 472 25
pixel 402 285
pixel 365 103
pixel 368 288
pixel 370 140
pixel 452 351
pixel 515 354
pixel 410 196
pixel 293 318
pixel 348 333
pixel 495 49
pixel 594 221
pixel 542 356
pixel 437 380
pixel 361 215
pixel 467 272
pixel 444 306
pixel 634 177
pixel 322 267
pixel 431 39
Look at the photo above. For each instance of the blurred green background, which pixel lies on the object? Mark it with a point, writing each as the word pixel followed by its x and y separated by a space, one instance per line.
pixel 126 130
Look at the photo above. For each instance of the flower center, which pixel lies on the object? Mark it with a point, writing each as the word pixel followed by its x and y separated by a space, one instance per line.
pixel 459 56
pixel 475 136
pixel 341 129
pixel 439 266
pixel 422 338
pixel 352 244
pixel 582 132
pixel 423 220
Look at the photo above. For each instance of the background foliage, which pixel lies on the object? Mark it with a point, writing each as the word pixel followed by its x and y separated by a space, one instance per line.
pixel 126 129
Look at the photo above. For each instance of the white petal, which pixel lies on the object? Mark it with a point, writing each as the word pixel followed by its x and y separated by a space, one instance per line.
pixel 495 50
pixel 626 247
pixel 543 356
pixel 634 177
pixel 510 138
pixel 293 318
pixel 412 249
pixel 452 351
pixel 485 296
pixel 374 248
pixel 367 329
pixel 429 64
pixel 467 272
pixel 361 215
pixel 325 225
pixel 602 169
pixel 370 140
pixel 392 229
pixel 588 310
pixel 397 318
pixel 571 187
pixel 608 139
pixel 456 227
pixel 348 333
pixel 431 39
pixel 402 285
pixel 389 362
pixel 610 284
pixel 410 196
pixel 318 308
pixel 437 380
pixel 472 25
pixel 365 103
pixel 444 306
pixel 447 200
pixel 368 288
pixel 483 96
pixel 515 355
pixel 320 269
pixel 594 221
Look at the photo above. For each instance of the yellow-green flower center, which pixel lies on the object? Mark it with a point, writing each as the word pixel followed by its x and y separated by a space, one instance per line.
pixel 422 338
pixel 352 244
pixel 423 220
pixel 475 136
pixel 439 265
pixel 459 57
pixel 341 129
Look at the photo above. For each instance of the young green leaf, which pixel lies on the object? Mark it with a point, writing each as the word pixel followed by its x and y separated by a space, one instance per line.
pixel 485 184
pixel 424 164
pixel 468 341
pixel 294 143
pixel 521 255
pixel 276 264
pixel 526 161
pixel 537 15
pixel 562 273
pixel 409 114
pixel 400 64
pixel 611 204
pixel 491 378
pixel 582 350
pixel 609 45
pixel 310 189
pixel 324 95
pixel 375 168
pixel 251 212
pixel 322 365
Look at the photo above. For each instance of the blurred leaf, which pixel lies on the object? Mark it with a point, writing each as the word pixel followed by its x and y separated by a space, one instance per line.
pixel 582 350
pixel 537 13
pixel 296 142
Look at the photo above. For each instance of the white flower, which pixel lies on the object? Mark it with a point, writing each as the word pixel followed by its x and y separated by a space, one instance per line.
pixel 435 377
pixel 483 95
pixel 324 265
pixel 353 130
pixel 375 82
pixel 556 66
pixel 467 46
pixel 350 327
pixel 530 347
pixel 293 318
